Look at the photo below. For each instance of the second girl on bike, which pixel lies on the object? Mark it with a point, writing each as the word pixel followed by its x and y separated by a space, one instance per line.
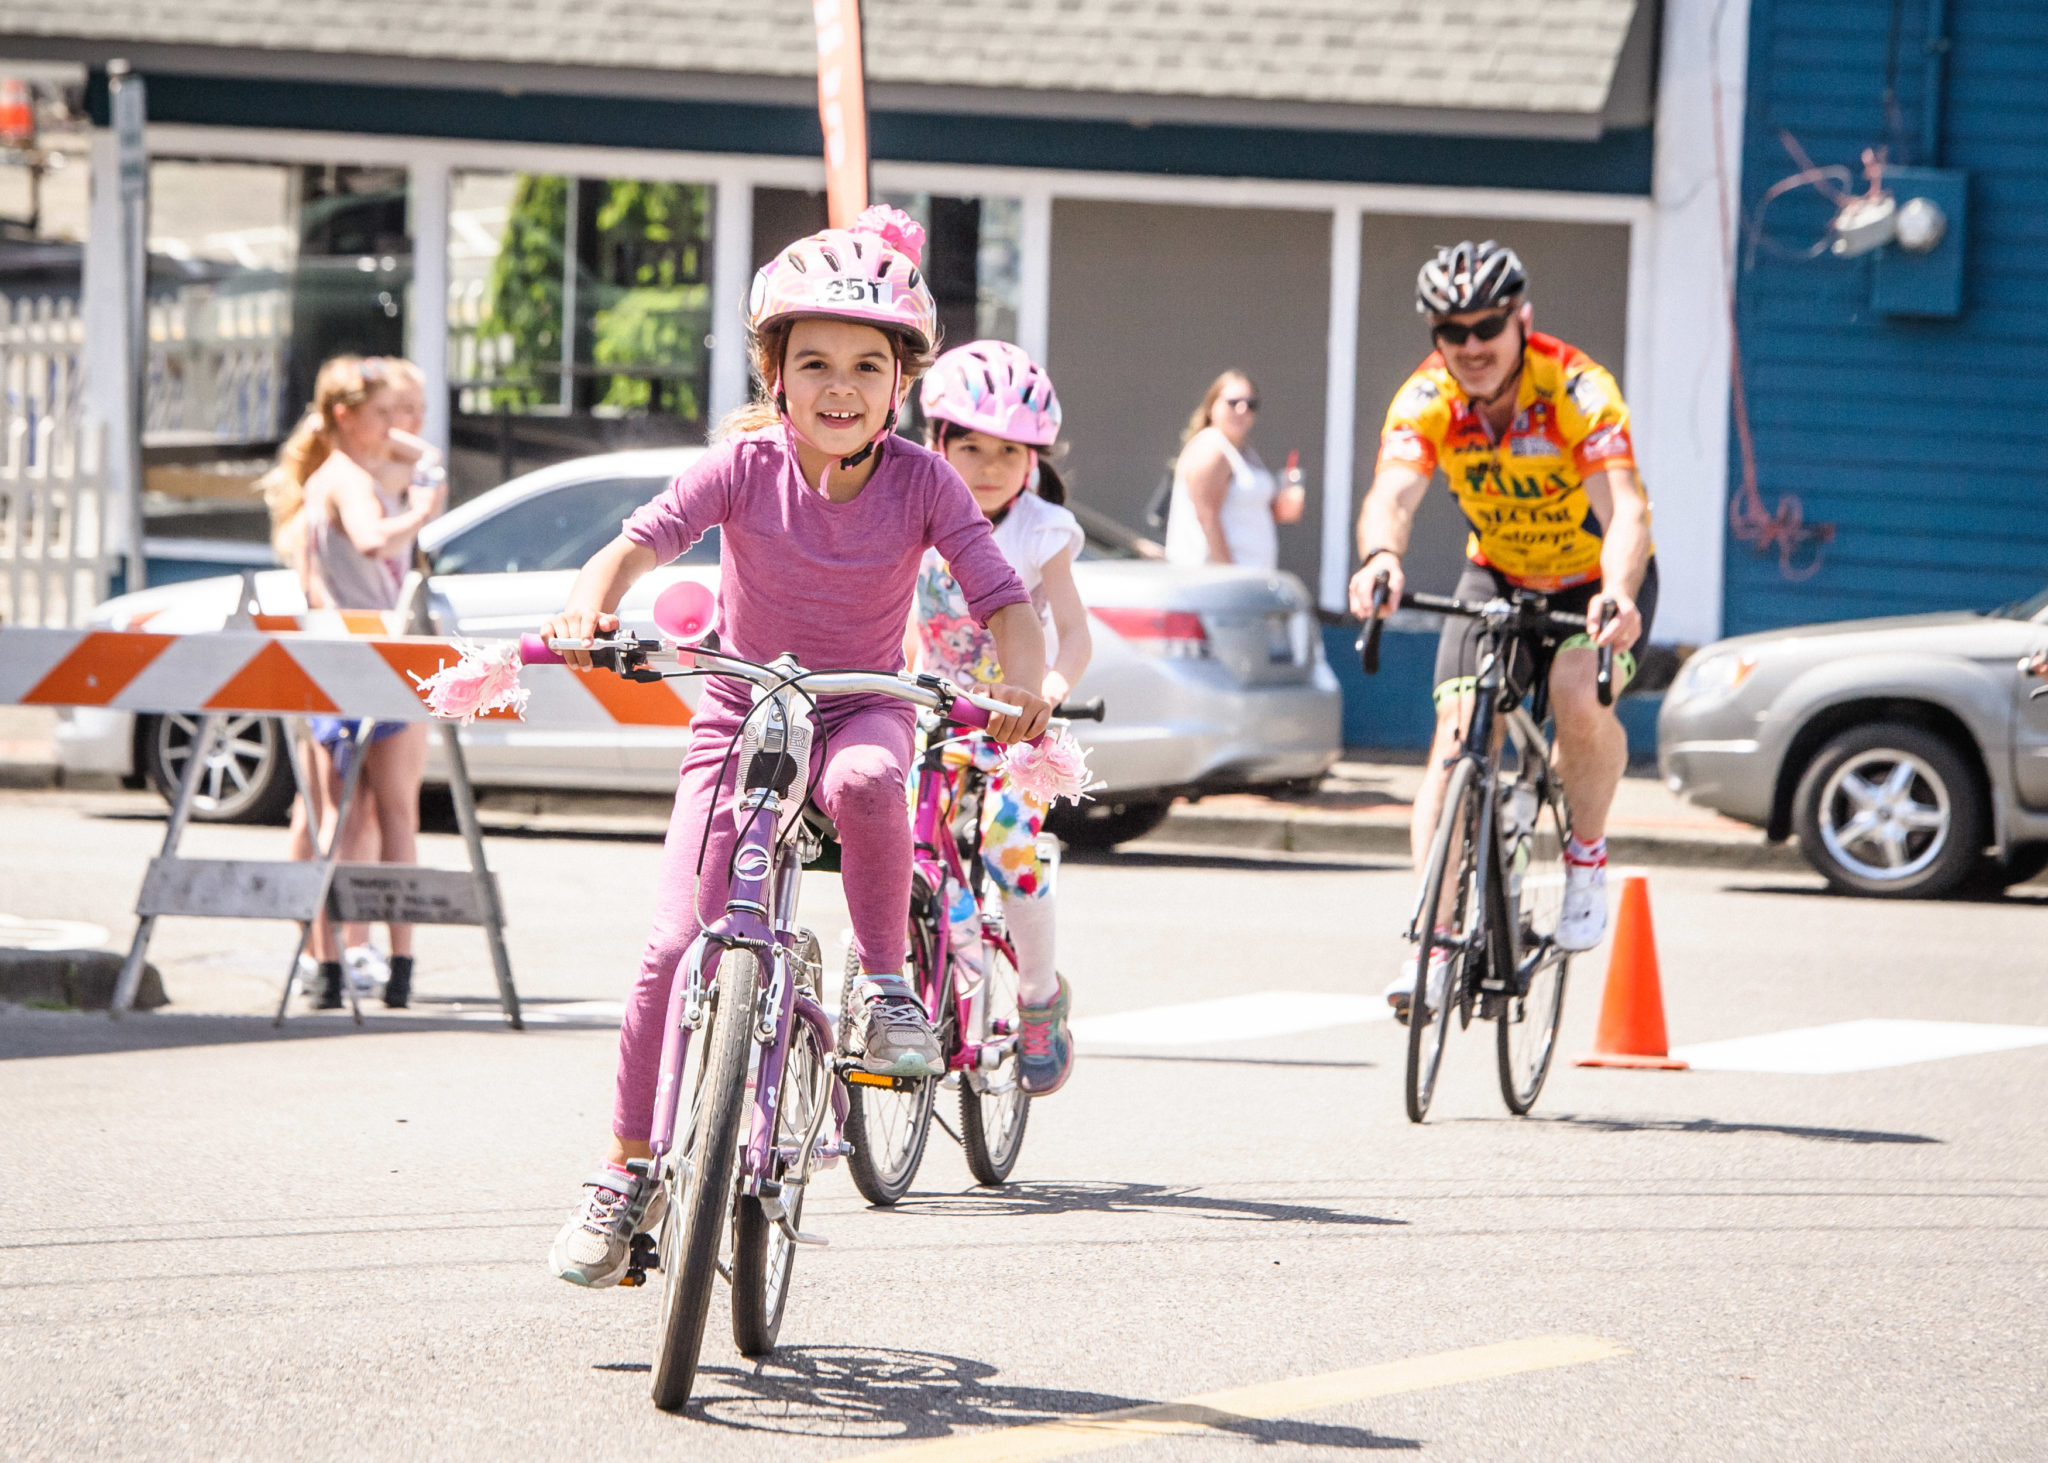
pixel 824 516
pixel 992 412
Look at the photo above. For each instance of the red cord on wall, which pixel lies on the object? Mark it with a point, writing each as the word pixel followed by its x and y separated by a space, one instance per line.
pixel 1785 531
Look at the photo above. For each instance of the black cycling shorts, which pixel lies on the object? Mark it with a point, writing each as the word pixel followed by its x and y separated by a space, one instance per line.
pixel 1457 649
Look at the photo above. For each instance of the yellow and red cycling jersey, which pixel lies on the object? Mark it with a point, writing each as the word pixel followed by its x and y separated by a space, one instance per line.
pixel 1524 495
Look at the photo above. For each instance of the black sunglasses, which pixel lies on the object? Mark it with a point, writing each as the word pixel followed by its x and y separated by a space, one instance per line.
pixel 1452 333
pixel 1248 403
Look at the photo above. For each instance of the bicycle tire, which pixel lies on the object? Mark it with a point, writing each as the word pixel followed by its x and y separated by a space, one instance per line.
pixel 763 1254
pixel 992 1122
pixel 696 1219
pixel 1427 1036
pixel 888 1128
pixel 1525 1040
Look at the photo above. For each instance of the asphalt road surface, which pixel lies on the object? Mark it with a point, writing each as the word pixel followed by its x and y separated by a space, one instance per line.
pixel 220 1243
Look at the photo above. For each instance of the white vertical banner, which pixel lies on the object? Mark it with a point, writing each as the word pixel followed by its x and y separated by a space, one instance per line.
pixel 1340 404
pixel 426 318
pixel 129 107
pixel 732 270
pixel 1034 275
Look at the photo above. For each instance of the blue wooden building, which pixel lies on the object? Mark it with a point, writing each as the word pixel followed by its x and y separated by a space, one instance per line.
pixel 1906 428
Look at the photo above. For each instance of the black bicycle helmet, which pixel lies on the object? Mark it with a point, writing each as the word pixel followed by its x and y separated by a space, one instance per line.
pixel 1469 276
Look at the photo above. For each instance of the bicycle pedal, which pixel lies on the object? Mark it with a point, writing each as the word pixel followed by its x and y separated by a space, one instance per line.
pixel 882 1079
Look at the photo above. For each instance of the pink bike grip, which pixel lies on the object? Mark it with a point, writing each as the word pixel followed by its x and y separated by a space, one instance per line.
pixel 969 711
pixel 534 651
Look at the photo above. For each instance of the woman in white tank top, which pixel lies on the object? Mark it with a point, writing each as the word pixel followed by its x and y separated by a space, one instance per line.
pixel 1225 508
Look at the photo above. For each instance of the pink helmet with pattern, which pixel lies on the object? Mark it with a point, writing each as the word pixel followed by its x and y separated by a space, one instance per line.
pixel 994 387
pixel 866 273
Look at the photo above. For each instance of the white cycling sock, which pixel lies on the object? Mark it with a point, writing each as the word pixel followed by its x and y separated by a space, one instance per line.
pixel 1586 855
pixel 1031 925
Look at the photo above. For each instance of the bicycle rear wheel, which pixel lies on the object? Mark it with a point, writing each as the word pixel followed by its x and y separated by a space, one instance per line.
pixel 992 1118
pixel 888 1126
pixel 1452 862
pixel 1526 1022
pixel 695 1222
pixel 763 1253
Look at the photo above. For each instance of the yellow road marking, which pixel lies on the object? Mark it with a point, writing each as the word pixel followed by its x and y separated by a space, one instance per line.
pixel 1261 1402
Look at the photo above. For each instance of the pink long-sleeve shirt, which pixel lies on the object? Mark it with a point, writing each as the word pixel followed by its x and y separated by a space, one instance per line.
pixel 830 583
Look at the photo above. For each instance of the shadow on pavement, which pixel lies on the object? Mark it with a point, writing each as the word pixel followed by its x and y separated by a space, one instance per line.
pixel 882 1395
pixel 1132 855
pixel 31 1033
pixel 1095 1056
pixel 2032 894
pixel 1108 1197
pixel 1713 1126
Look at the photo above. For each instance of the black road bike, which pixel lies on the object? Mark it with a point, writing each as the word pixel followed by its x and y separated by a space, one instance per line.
pixel 1493 885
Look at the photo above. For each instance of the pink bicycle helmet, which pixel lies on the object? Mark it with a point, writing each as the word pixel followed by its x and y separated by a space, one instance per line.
pixel 994 387
pixel 867 273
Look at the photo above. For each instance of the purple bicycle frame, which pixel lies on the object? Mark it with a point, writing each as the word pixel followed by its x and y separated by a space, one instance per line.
pixel 935 857
pixel 765 878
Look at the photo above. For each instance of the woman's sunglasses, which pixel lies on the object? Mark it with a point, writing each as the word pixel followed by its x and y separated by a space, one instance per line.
pixel 1451 333
pixel 1241 403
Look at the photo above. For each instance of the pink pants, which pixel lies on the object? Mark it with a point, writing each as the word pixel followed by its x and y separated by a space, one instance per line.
pixel 858 777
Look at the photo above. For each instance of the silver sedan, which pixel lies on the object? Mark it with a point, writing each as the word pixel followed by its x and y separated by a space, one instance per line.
pixel 1909 756
pixel 1213 678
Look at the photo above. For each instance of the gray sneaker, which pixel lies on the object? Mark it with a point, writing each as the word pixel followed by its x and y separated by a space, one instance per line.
pixel 896 1039
pixel 595 1248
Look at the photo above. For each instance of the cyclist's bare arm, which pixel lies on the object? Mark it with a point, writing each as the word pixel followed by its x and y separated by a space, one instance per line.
pixel 596 593
pixel 1020 648
pixel 1617 500
pixel 1386 522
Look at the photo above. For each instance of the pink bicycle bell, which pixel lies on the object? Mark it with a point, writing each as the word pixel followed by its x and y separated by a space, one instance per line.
pixel 683 611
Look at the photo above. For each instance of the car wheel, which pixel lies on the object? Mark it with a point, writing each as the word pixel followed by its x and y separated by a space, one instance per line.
pixel 1892 810
pixel 1106 824
pixel 248 779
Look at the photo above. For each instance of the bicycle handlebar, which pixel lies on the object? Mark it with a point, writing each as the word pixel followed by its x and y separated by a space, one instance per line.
pixel 635 659
pixel 1369 641
pixel 1089 710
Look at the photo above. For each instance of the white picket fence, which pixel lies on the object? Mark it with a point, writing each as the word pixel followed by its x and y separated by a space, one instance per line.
pixel 54 556
pixel 216 374
pixel 217 366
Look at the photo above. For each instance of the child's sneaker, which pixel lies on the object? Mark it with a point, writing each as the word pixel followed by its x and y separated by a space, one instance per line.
pixel 1045 1048
pixel 596 1245
pixel 367 968
pixel 896 1038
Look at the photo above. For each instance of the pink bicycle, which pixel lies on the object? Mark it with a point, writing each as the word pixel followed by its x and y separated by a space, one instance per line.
pixel 973 1000
pixel 747 1037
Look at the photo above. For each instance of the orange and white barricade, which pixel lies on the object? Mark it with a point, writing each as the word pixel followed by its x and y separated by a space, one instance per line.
pixel 324 664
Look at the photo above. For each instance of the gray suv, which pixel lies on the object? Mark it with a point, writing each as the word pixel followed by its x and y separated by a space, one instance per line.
pixel 1908 756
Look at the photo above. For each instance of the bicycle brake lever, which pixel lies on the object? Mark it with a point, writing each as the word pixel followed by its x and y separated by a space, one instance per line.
pixel 1369 642
pixel 1603 679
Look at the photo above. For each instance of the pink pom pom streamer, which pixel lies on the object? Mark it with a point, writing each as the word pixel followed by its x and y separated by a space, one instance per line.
pixel 898 229
pixel 1055 769
pixel 486 678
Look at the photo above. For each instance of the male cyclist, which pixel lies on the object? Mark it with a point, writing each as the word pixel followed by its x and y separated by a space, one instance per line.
pixel 1533 438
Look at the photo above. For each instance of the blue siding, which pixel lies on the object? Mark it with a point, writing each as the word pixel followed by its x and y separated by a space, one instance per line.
pixel 1925 442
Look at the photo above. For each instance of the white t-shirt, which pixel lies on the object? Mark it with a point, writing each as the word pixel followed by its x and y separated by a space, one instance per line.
pixel 1032 533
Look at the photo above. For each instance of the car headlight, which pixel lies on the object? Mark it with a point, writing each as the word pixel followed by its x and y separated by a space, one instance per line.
pixel 1712 675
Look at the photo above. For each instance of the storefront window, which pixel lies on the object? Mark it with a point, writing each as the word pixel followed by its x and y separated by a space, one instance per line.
pixel 580 300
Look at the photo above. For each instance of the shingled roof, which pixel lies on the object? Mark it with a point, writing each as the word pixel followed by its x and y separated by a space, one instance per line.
pixel 1369 63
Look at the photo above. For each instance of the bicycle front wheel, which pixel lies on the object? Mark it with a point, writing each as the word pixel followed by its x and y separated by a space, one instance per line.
pixel 1443 919
pixel 695 1223
pixel 888 1126
pixel 992 1117
pixel 1525 1037
pixel 763 1251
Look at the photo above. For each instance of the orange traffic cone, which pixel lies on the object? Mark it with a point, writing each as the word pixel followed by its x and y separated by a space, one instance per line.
pixel 1632 1011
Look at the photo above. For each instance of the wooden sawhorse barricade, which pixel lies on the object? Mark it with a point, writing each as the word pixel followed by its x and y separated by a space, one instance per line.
pixel 364 677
